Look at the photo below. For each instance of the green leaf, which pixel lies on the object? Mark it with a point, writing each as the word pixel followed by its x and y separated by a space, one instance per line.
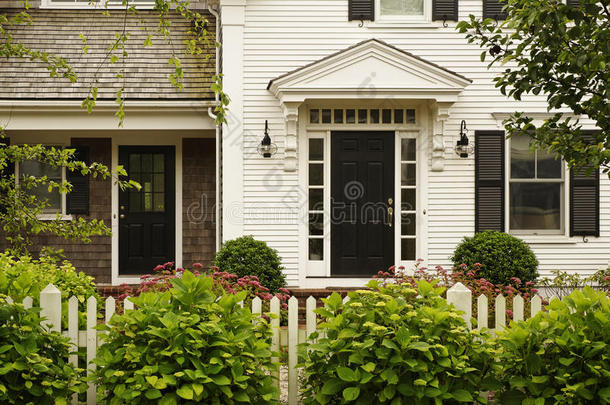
pixel 346 374
pixel 220 379
pixel 152 394
pixel 351 393
pixel 369 367
pixel 462 396
pixel 185 392
pixel 332 386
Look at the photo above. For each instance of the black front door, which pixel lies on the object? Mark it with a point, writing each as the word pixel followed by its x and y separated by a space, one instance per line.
pixel 147 217
pixel 362 202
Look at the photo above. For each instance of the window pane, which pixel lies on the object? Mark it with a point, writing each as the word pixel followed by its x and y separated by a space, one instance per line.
pixel 549 167
pixel 374 116
pixel 407 249
pixel 362 116
pixel 37 169
pixel 159 163
pixel 407 149
pixel 134 163
pixel 386 116
pixel 316 249
pixel 410 116
pixel 316 196
pixel 314 116
pixel 408 174
pixel 326 116
pixel 338 116
pixel 408 199
pixel 398 116
pixel 316 149
pixel 148 202
pixel 350 116
pixel 316 224
pixel 159 202
pixel 402 7
pixel 535 206
pixel 135 201
pixel 408 224
pixel 521 158
pixel 316 177
pixel 147 164
pixel 53 199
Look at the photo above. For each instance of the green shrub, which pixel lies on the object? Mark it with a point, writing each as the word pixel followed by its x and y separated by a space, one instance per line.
pixel 186 345
pixel 33 362
pixel 246 256
pixel 501 257
pixel 394 345
pixel 558 357
pixel 23 276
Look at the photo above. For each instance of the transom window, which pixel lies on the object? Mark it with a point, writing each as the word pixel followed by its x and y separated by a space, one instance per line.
pixel 362 116
pixel 536 190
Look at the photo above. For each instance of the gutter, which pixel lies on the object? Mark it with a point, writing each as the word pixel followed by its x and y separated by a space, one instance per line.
pixel 218 133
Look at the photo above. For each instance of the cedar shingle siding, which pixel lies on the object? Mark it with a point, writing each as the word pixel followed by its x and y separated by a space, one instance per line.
pixel 198 201
pixel 146 69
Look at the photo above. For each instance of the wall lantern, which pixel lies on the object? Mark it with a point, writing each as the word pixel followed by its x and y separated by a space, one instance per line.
pixel 462 147
pixel 266 149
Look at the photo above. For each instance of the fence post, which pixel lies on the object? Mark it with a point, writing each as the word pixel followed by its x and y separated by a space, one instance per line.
pixel 274 307
pixel 293 340
pixel 91 346
pixel 50 307
pixel 518 305
pixel 310 316
pixel 482 312
pixel 461 297
pixel 27 302
pixel 536 305
pixel 73 335
pixel 500 313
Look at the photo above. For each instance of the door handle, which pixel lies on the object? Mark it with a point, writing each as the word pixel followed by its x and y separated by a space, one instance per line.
pixel 122 216
pixel 390 215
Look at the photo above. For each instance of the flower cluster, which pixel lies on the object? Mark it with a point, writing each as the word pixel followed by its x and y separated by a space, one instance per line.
pixel 224 282
pixel 462 274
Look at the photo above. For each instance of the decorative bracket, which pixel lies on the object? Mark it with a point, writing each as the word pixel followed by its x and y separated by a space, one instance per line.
pixel 291 115
pixel 438 143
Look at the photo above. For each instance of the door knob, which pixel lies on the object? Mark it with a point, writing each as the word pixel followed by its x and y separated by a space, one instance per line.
pixel 122 207
pixel 122 216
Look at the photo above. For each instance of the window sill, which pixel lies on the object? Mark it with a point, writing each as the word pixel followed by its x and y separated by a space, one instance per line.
pixel 405 24
pixel 547 239
pixel 53 217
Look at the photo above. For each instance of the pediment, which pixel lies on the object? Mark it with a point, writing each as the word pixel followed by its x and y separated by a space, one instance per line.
pixel 371 68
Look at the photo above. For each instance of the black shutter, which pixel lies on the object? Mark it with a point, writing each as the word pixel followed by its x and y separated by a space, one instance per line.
pixel 361 10
pixel 77 201
pixel 445 10
pixel 573 3
pixel 9 169
pixel 493 9
pixel 489 181
pixel 584 199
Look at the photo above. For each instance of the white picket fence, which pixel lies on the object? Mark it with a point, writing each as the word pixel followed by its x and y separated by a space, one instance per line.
pixel 290 337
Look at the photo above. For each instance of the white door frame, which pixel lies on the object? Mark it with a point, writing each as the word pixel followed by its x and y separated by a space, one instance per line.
pixel 317 274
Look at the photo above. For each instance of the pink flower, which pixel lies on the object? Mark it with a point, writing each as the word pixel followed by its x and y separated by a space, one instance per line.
pixel 198 266
pixel 284 290
pixel 159 268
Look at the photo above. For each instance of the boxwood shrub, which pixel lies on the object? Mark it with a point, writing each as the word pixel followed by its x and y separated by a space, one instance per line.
pixel 186 345
pixel 501 256
pixel 34 366
pixel 246 256
pixel 558 357
pixel 394 345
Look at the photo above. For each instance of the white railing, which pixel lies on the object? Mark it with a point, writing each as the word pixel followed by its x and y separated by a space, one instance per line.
pixel 289 337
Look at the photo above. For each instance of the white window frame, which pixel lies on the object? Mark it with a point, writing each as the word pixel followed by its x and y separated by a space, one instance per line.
pixel 564 203
pixel 425 18
pixel 51 215
pixel 99 5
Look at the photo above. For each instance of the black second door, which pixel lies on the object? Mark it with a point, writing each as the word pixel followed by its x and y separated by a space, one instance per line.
pixel 147 217
pixel 362 202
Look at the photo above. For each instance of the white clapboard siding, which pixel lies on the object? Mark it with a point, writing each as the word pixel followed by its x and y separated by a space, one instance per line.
pixel 285 337
pixel 281 36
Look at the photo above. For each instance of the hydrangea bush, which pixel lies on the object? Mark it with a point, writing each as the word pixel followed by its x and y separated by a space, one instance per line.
pixel 394 344
pixel 187 344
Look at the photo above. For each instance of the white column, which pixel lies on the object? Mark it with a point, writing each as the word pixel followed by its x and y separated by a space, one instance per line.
pixel 232 26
